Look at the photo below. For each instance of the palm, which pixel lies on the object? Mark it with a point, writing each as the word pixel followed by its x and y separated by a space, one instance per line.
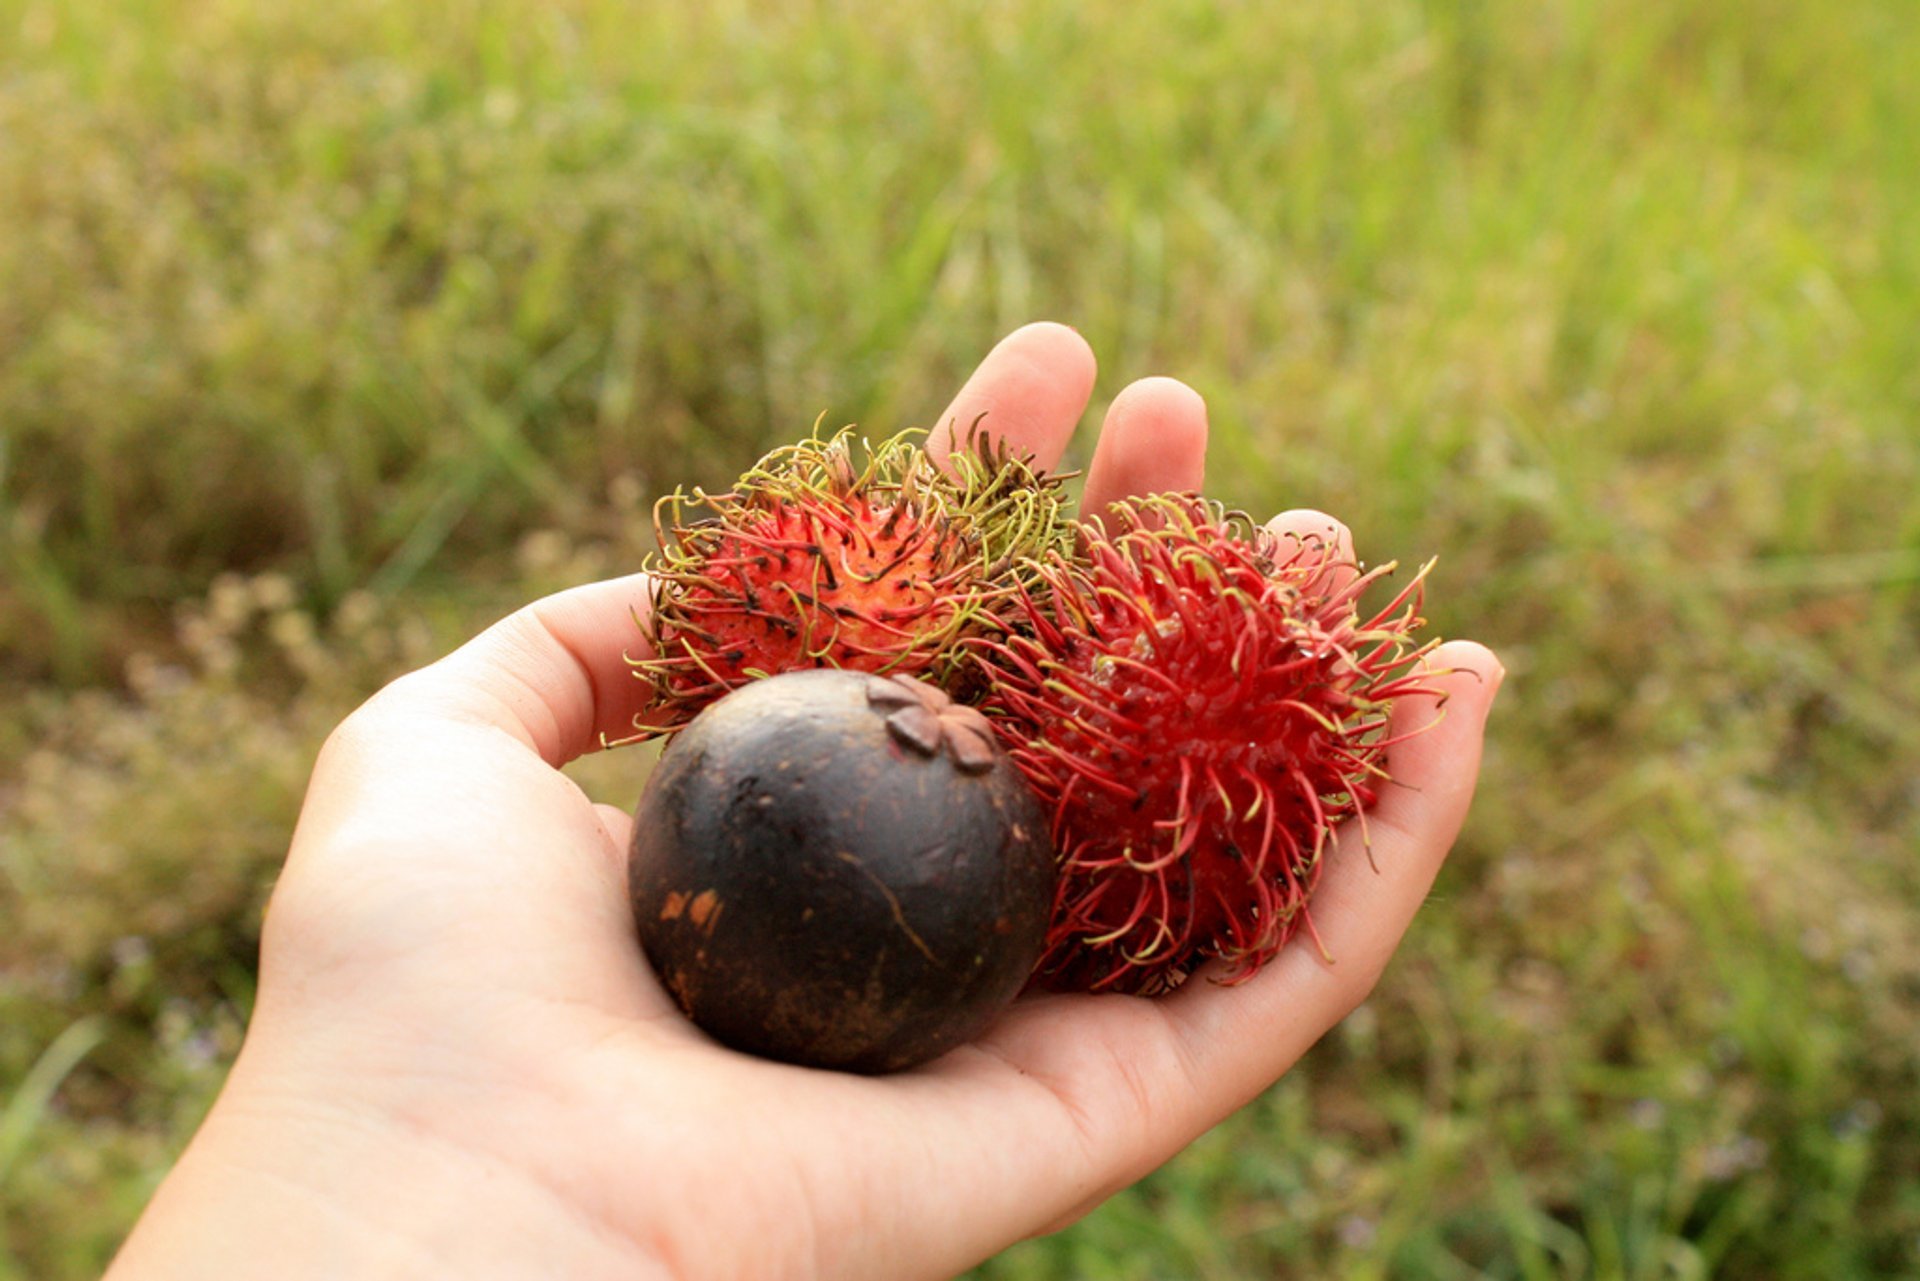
pixel 451 936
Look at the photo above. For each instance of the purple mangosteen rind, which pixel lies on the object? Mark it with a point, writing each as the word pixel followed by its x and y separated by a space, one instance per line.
pixel 841 870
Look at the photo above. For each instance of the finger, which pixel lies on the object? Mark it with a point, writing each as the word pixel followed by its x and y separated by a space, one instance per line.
pixel 435 811
pixel 553 674
pixel 619 826
pixel 1305 524
pixel 1378 873
pixel 1070 1098
pixel 1154 441
pixel 618 822
pixel 1319 538
pixel 1028 393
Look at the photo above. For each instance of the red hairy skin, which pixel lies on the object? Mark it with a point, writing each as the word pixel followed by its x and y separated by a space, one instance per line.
pixel 873 561
pixel 1198 703
pixel 791 586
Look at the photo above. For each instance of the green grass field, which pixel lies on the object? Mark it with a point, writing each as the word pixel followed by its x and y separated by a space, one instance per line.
pixel 325 336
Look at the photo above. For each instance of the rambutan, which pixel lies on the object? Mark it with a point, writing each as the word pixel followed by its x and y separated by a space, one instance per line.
pixel 1198 703
pixel 832 553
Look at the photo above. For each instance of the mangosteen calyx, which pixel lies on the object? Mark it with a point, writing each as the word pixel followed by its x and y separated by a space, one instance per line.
pixel 926 719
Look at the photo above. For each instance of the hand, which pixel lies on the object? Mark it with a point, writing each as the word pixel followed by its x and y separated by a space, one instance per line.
pixel 460 1063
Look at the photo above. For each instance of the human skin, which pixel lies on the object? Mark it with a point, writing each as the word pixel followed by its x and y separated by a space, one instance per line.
pixel 460 1064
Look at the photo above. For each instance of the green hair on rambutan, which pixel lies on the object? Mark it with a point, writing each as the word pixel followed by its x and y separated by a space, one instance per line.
pixel 835 552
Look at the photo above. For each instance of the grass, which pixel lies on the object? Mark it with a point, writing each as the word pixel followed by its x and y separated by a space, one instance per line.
pixel 325 336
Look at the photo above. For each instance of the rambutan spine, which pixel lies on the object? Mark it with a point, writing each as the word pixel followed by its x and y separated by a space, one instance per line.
pixel 1199 703
pixel 837 552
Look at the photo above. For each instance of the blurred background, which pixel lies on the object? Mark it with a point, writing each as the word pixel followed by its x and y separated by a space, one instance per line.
pixel 329 333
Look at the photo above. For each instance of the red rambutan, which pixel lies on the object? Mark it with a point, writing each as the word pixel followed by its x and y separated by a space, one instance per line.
pixel 822 555
pixel 1198 703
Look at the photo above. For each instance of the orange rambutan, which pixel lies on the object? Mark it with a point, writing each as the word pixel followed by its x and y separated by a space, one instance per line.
pixel 833 553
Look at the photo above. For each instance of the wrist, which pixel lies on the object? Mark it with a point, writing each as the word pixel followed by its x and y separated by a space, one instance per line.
pixel 291 1187
pixel 241 1202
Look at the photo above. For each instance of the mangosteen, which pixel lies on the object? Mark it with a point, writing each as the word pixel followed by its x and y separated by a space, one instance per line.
pixel 840 869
